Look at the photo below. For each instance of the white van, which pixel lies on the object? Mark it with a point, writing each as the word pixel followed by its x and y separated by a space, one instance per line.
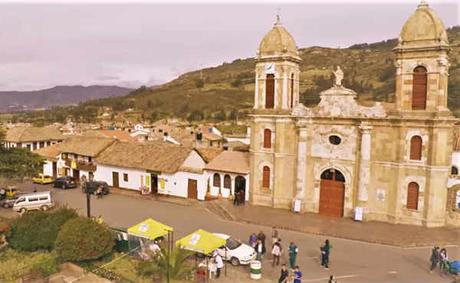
pixel 33 201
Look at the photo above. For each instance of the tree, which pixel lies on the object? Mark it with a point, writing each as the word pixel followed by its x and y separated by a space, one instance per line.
pixel 179 268
pixel 38 230
pixel 83 239
pixel 199 83
pixel 18 163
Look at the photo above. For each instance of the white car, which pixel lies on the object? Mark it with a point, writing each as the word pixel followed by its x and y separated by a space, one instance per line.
pixel 236 252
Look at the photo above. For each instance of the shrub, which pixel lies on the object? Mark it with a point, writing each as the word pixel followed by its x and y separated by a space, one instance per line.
pixel 15 264
pixel 83 239
pixel 38 230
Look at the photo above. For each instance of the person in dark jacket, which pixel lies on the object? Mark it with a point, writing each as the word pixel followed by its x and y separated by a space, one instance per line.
pixel 261 237
pixel 284 274
pixel 435 258
pixel 325 252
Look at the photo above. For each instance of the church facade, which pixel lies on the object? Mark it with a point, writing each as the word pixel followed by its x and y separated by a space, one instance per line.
pixel 392 161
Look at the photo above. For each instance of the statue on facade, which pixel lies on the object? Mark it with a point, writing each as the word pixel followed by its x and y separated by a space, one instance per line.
pixel 338 76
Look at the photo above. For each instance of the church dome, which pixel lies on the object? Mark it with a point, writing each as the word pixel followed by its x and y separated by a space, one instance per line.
pixel 423 28
pixel 278 42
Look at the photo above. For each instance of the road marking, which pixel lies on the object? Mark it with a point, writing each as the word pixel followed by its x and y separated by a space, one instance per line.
pixel 327 278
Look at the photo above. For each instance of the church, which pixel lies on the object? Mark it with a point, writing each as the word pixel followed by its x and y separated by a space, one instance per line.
pixel 391 162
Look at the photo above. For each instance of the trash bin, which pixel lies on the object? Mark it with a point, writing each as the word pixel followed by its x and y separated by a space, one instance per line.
pixel 256 269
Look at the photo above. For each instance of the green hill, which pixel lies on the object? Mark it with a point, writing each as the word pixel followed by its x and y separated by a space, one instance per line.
pixel 227 91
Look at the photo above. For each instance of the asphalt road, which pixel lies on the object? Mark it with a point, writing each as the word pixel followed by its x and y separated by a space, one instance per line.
pixel 351 261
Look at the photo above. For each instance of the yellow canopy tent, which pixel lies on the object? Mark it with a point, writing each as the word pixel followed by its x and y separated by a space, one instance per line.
pixel 150 229
pixel 201 241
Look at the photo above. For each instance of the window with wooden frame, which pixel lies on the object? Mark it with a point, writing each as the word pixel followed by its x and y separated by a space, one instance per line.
pixel 454 170
pixel 416 148
pixel 419 88
pixel 216 180
pixel 266 177
pixel 227 182
pixel 267 138
pixel 270 91
pixel 125 177
pixel 412 196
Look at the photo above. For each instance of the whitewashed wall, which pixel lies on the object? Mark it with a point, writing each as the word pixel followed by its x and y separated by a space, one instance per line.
pixel 177 184
pixel 48 168
pixel 135 176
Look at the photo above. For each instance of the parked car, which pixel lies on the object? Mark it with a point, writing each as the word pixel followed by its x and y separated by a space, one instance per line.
pixel 8 203
pixel 65 182
pixel 92 187
pixel 43 179
pixel 9 192
pixel 235 251
pixel 33 201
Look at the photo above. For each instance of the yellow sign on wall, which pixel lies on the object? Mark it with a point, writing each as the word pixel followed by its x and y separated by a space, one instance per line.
pixel 73 164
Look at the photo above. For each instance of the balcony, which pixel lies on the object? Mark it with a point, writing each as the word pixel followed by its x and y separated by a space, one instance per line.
pixel 80 165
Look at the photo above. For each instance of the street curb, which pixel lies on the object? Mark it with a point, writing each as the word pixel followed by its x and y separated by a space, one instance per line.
pixel 173 200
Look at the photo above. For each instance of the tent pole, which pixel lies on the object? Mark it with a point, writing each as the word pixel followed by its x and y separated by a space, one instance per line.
pixel 167 258
pixel 225 249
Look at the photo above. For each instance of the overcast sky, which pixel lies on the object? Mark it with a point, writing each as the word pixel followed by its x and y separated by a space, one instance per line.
pixel 43 45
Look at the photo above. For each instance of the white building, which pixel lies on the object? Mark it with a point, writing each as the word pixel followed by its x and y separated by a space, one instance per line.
pixel 228 173
pixel 157 167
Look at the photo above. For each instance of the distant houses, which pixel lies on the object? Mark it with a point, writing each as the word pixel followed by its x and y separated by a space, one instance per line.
pixel 32 138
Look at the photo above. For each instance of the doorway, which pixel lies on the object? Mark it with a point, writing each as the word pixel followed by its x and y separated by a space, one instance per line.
pixel 192 191
pixel 240 188
pixel 332 193
pixel 115 180
pixel 154 183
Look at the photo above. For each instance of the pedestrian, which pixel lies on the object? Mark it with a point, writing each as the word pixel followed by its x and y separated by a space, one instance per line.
pixel 276 252
pixel 284 274
pixel 443 264
pixel 253 240
pixel 274 235
pixel 99 192
pixel 325 252
pixel 236 198
pixel 297 275
pixel 293 250
pixel 259 250
pixel 219 264
pixel 332 279
pixel 435 258
pixel 261 237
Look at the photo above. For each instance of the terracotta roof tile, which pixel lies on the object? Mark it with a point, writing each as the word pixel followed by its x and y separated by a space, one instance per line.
pixel 28 134
pixel 230 161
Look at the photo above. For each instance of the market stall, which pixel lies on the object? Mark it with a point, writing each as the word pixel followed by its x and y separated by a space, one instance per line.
pixel 202 242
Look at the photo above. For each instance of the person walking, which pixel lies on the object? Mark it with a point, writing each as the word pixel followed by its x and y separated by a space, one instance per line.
pixel 434 259
pixel 274 235
pixel 276 252
pixel 259 250
pixel 325 252
pixel 236 198
pixel 332 279
pixel 261 237
pixel 219 264
pixel 443 264
pixel 284 274
pixel 293 250
pixel 297 275
pixel 253 240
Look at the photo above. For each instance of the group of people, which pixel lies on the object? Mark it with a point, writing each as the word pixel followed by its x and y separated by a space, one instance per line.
pixel 439 258
pixel 238 197
pixel 258 242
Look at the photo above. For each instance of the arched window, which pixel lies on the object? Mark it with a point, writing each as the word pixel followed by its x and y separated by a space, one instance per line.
pixel 227 182
pixel 270 91
pixel 454 170
pixel 416 148
pixel 216 180
pixel 412 196
pixel 267 138
pixel 419 88
pixel 266 177
pixel 292 90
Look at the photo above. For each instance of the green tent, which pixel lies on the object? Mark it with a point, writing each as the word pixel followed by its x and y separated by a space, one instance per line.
pixel 201 241
pixel 149 229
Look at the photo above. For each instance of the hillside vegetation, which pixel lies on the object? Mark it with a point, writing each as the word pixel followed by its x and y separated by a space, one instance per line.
pixel 226 92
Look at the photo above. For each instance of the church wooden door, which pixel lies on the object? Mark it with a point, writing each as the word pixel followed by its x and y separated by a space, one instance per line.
pixel 332 193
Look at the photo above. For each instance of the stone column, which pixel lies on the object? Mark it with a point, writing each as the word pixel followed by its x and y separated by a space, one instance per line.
pixel 365 156
pixel 301 164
